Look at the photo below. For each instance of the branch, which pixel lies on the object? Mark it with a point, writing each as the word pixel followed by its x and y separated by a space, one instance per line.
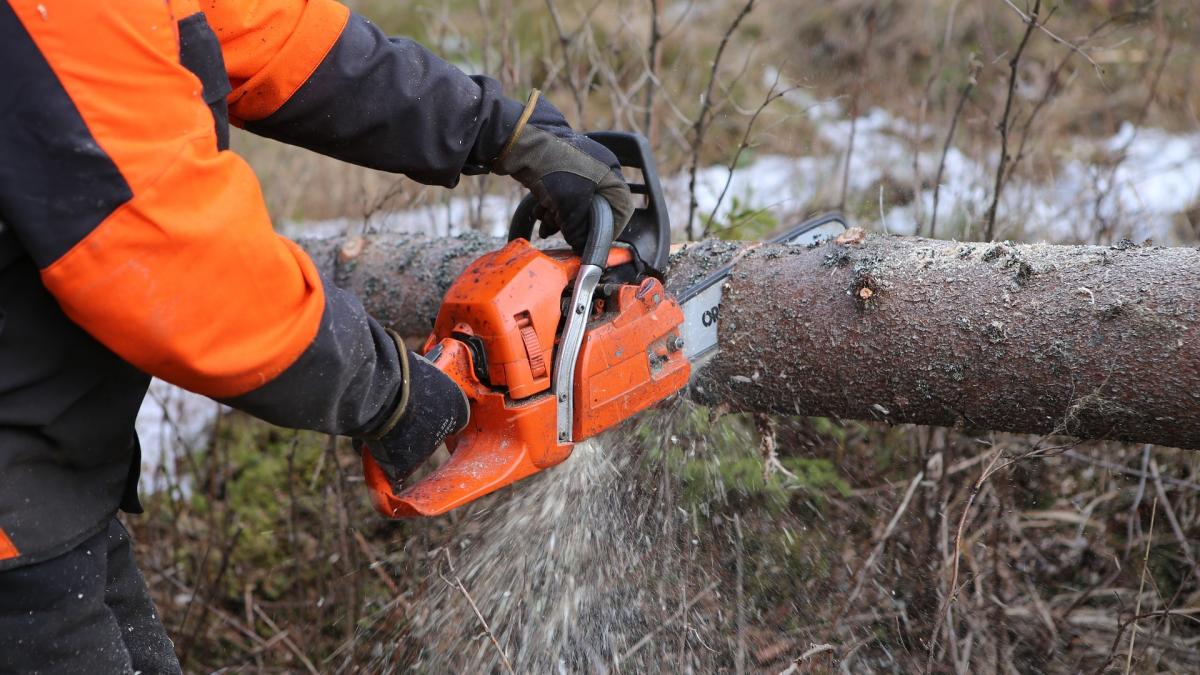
pixel 958 109
pixel 700 126
pixel 1014 64
pixel 1031 19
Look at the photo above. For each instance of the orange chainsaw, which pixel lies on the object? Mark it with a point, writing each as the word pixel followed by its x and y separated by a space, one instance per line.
pixel 553 348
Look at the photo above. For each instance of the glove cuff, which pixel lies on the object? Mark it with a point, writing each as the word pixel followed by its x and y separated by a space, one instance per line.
pixel 530 106
pixel 402 399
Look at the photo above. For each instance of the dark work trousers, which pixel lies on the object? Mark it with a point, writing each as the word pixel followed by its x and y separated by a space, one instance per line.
pixel 86 611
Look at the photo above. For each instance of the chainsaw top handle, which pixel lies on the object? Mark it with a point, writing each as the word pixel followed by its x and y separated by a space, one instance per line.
pixel 648 232
pixel 600 235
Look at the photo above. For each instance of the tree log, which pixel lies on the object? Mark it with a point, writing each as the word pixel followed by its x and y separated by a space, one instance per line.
pixel 1087 341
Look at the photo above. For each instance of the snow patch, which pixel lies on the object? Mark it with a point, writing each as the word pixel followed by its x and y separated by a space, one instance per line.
pixel 171 424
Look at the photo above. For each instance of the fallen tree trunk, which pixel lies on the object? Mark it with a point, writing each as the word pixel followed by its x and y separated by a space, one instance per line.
pixel 1088 341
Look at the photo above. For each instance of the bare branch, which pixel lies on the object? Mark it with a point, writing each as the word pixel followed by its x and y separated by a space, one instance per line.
pixel 1141 586
pixel 1014 65
pixel 700 126
pixel 958 109
pixel 854 109
pixel 773 95
pixel 1031 19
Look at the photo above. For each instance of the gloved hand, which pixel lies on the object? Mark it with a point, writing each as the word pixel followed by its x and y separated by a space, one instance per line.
pixel 564 170
pixel 430 408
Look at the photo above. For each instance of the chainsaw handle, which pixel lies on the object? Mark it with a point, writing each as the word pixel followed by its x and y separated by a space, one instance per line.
pixel 452 357
pixel 600 235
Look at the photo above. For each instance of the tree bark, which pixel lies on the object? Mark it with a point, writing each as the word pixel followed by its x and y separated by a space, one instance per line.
pixel 1087 341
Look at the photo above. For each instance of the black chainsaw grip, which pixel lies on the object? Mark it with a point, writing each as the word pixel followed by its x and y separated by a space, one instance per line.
pixel 600 235
pixel 520 226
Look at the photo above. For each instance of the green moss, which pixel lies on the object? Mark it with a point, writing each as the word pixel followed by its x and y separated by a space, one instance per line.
pixel 258 485
pixel 720 465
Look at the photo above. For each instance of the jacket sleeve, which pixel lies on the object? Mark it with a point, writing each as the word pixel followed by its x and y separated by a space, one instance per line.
pixel 156 241
pixel 314 74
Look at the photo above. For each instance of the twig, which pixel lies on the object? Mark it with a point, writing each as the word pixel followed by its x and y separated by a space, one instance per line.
pixel 854 103
pixel 740 612
pixel 809 653
pixel 684 602
pixel 922 111
pixel 1032 20
pixel 1141 587
pixel 656 37
pixel 1107 184
pixel 948 602
pixel 772 96
pixel 1014 65
pixel 347 555
pixel 873 558
pixel 230 620
pixel 1124 470
pixel 376 563
pixel 700 126
pixel 1184 546
pixel 1052 87
pixel 670 620
pixel 564 43
pixel 457 583
pixel 882 215
pixel 204 586
pixel 958 109
pixel 287 641
pixel 765 425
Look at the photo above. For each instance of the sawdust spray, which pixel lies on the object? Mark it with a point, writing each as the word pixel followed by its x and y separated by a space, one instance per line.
pixel 584 568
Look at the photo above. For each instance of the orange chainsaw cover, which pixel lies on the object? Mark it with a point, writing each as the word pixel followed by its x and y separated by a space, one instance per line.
pixel 510 302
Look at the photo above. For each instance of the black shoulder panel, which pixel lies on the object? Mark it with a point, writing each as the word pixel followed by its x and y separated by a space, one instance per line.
pixel 200 52
pixel 56 183
pixel 390 104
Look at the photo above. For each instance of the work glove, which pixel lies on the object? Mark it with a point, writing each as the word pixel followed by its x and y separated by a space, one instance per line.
pixel 564 170
pixel 430 407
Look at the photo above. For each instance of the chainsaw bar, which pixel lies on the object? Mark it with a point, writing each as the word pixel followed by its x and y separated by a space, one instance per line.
pixel 702 301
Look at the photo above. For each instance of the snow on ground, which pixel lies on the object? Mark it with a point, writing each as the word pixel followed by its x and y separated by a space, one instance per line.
pixel 1158 178
pixel 445 219
pixel 172 423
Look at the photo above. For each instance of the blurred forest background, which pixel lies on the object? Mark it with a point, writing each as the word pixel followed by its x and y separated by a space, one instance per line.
pixel 694 542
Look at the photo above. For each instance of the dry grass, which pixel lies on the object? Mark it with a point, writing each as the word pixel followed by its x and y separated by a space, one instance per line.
pixel 931 550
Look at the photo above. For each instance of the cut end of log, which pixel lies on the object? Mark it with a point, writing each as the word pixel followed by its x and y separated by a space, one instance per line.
pixel 851 237
pixel 351 249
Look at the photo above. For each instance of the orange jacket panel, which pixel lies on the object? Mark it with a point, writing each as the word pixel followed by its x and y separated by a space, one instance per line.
pixel 7 550
pixel 271 47
pixel 187 280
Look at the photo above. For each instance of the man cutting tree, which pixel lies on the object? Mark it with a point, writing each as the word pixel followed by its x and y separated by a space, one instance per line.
pixel 134 243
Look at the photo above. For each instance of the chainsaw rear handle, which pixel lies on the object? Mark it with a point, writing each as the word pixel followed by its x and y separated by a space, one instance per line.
pixel 455 362
pixel 600 235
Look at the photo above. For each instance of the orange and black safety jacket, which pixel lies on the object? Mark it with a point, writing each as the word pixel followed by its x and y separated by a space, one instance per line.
pixel 133 243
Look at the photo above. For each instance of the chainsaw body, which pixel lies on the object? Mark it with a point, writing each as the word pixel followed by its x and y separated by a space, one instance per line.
pixel 550 349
